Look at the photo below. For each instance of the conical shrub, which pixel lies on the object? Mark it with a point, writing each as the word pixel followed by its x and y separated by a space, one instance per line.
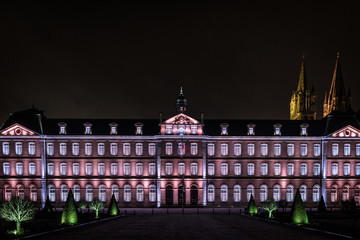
pixel 299 215
pixel 252 206
pixel 113 208
pixel 69 215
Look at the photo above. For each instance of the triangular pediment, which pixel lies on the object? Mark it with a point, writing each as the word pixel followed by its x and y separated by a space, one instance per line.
pixel 181 118
pixel 17 130
pixel 348 131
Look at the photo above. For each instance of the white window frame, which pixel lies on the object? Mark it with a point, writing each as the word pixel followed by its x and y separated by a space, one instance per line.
pixel 317 150
pixel 62 149
pixel 88 149
pixel 303 169
pixel 194 169
pixel 347 149
pixel 237 149
pixel 251 169
pixel 101 169
pixel 251 149
pixel 193 149
pixel 6 168
pixel 263 193
pixel 303 150
pixel 127 193
pixel 316 169
pixel 19 168
pixel 264 169
pixel 50 169
pixel 140 193
pixel 139 169
pixel 211 193
pixel 127 169
pixel 32 168
pixel 211 149
pixel 168 149
pixel 63 169
pixel 114 169
pixel 224 149
pixel 335 149
pixel 6 148
pixel 237 169
pixel 168 168
pixel 303 192
pixel 63 193
pixel 101 149
pixel 316 193
pixel 50 149
pixel 76 169
pixel 224 190
pixel 290 149
pixel 224 169
pixel 75 149
pixel 114 149
pixel 250 190
pixel 88 169
pixel 89 193
pixel 126 149
pixel 264 149
pixel 152 193
pixel 152 169
pixel 277 193
pixel 277 149
pixel 211 169
pixel 334 169
pixel 346 169
pixel 18 148
pixel 181 168
pixel 102 193
pixel 32 149
pixel 289 193
pixel 290 169
pixel 139 149
pixel 237 193
pixel 277 169
pixel 152 149
pixel 357 169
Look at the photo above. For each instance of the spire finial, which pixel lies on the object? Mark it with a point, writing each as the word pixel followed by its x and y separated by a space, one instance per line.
pixel 181 91
pixel 338 54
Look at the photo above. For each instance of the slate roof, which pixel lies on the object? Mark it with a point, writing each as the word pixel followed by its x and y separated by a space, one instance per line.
pixel 36 121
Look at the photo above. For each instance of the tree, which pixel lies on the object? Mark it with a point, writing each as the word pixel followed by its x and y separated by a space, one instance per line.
pixel 82 205
pixel 17 210
pixel 113 208
pixel 96 205
pixel 252 207
pixel 48 207
pixel 299 215
pixel 69 215
pixel 270 206
pixel 321 206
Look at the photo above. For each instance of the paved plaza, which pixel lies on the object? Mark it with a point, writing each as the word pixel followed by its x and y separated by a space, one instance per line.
pixel 190 225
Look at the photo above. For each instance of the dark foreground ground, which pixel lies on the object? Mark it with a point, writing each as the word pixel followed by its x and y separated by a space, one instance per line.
pixel 190 225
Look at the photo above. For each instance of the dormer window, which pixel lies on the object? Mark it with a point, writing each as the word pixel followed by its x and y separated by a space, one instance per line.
pixel 113 128
pixel 88 128
pixel 224 128
pixel 139 128
pixel 303 129
pixel 168 129
pixel 62 127
pixel 251 129
pixel 277 129
pixel 193 129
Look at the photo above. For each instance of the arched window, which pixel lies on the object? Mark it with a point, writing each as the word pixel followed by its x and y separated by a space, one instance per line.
pixel 263 193
pixel 51 193
pixel 20 192
pixel 237 193
pixel 333 194
pixel 115 192
pixel 290 193
pixel 345 193
pixel 89 193
pixel 76 189
pixel 277 193
pixel 33 193
pixel 63 193
pixel 139 193
pixel 316 193
pixel 211 193
pixel 7 191
pixel 127 193
pixel 303 192
pixel 152 193
pixel 250 191
pixel 224 193
pixel 102 193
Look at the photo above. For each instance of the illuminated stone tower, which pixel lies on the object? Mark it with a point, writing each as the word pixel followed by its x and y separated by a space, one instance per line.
pixel 336 99
pixel 303 100
pixel 181 102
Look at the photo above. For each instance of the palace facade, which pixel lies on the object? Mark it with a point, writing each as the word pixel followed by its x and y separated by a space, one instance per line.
pixel 184 161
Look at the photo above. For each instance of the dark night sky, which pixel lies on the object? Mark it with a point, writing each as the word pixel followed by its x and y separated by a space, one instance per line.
pixel 233 59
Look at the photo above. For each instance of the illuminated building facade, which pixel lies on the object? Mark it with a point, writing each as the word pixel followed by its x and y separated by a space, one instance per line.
pixel 180 160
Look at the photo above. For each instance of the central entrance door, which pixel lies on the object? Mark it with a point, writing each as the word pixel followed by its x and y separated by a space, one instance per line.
pixel 194 195
pixel 181 195
pixel 169 195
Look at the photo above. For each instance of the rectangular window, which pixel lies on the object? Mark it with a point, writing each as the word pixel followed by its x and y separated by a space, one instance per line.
pixel 316 169
pixel 346 169
pixel 335 149
pixel 168 129
pixel 224 149
pixel 277 169
pixel 101 169
pixel 251 149
pixel 50 149
pixel 152 169
pixel 62 150
pixel 5 148
pixel 277 149
pixel 32 168
pixel 168 148
pixel 114 169
pixel 358 149
pixel 237 169
pixel 113 149
pixel 303 169
pixel 317 150
pixel 250 169
pixel 193 129
pixel 290 149
pixel 211 149
pixel 152 150
pixel 194 169
pixel 264 149
pixel 303 149
pixel 50 169
pixel 19 168
pixel 194 149
pixel 139 169
pixel 63 169
pixel 127 169
pixel 76 169
pixel 211 169
pixel 88 149
pixel 31 148
pixel 357 169
pixel 237 149
pixel 18 148
pixel 75 149
pixel 224 169
pixel 101 149
pixel 277 131
pixel 181 169
pixel 303 131
pixel 347 149
pixel 264 169
pixel 126 149
pixel 168 169
pixel 139 149
pixel 6 168
pixel 88 169
pixel 290 169
pixel 334 169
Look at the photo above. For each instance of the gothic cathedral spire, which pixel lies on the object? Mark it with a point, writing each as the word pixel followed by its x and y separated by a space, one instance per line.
pixel 303 100
pixel 336 99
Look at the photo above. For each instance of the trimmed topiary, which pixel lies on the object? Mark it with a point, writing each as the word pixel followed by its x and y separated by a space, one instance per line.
pixel 299 215
pixel 69 215
pixel 48 207
pixel 113 208
pixel 321 207
pixel 252 206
